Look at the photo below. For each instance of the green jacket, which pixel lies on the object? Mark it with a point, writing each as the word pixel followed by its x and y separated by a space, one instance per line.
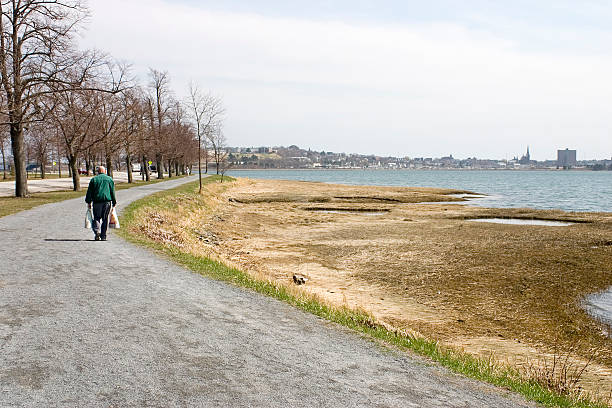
pixel 101 189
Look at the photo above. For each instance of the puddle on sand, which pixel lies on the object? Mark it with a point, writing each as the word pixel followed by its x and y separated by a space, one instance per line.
pixel 520 221
pixel 599 306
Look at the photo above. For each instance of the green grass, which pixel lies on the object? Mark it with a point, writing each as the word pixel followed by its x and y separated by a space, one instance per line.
pixel 12 205
pixel 457 361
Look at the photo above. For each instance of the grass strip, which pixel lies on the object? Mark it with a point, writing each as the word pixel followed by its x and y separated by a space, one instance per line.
pixel 457 361
pixel 12 205
pixel 34 176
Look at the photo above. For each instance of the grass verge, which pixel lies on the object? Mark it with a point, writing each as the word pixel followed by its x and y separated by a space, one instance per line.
pixel 12 205
pixel 457 361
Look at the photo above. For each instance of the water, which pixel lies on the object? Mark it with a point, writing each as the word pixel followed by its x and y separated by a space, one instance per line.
pixel 600 306
pixel 519 221
pixel 541 189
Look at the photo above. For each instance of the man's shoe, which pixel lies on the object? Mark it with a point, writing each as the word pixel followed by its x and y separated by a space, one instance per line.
pixel 103 238
pixel 97 238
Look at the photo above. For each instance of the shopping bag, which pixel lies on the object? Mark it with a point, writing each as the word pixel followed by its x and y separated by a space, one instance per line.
pixel 88 218
pixel 114 220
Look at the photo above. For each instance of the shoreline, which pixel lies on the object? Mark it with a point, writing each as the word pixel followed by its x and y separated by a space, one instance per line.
pixel 543 190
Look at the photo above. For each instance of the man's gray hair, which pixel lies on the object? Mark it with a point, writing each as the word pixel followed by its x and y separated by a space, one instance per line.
pixel 101 170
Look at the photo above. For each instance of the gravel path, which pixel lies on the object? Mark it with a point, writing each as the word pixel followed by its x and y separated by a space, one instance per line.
pixel 108 324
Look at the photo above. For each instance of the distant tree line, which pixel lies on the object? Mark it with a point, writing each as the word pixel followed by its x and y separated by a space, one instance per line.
pixel 61 104
pixel 599 167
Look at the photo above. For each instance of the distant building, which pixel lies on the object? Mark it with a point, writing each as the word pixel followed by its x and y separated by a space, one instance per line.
pixel 566 158
pixel 526 159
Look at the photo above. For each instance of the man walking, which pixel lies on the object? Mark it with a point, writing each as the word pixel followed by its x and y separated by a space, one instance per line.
pixel 101 192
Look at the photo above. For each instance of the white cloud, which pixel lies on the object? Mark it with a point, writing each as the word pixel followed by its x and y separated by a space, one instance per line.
pixel 408 90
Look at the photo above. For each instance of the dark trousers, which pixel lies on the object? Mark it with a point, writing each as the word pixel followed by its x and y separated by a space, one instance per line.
pixel 101 211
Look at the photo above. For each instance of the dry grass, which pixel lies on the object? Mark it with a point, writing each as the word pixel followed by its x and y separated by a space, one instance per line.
pixel 512 292
pixel 560 373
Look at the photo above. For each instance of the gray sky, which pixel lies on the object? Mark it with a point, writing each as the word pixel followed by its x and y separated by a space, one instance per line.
pixel 403 78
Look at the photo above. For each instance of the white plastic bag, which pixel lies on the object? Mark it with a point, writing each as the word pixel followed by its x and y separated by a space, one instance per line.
pixel 113 219
pixel 88 218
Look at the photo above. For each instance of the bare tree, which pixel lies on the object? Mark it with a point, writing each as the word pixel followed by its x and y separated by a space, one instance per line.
pixel 74 115
pixel 159 82
pixel 149 144
pixel 3 140
pixel 109 115
pixel 182 144
pixel 132 127
pixel 4 133
pixel 35 49
pixel 205 111
pixel 218 143
pixel 40 144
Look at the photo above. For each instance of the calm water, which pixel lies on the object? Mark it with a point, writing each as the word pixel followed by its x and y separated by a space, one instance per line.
pixel 565 190
pixel 600 306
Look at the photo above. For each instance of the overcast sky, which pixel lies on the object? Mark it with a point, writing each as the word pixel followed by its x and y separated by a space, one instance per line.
pixel 472 78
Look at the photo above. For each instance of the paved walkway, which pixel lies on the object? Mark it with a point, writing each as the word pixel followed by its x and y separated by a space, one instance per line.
pixel 108 324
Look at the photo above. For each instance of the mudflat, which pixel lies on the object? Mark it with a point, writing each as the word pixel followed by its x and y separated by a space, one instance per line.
pixel 414 258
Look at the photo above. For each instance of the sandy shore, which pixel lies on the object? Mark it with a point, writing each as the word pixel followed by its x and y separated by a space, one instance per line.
pixel 511 291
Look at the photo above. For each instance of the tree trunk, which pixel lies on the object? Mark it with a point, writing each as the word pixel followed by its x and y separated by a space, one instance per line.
pixel 3 161
pixel 176 168
pixel 128 163
pixel 72 168
pixel 21 176
pixel 59 162
pixel 199 158
pixel 146 168
pixel 42 169
pixel 169 169
pixel 160 166
pixel 92 164
pixel 109 166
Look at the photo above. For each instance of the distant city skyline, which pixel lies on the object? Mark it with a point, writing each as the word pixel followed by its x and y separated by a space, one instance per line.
pixel 525 154
pixel 385 77
pixel 296 157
